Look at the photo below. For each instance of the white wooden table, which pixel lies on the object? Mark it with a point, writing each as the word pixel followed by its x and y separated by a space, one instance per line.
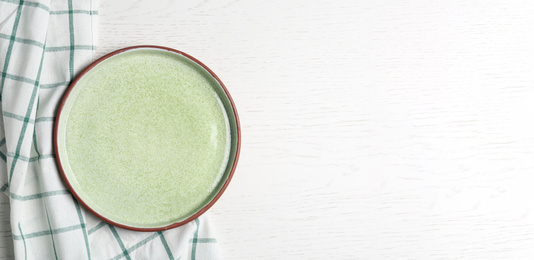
pixel 371 129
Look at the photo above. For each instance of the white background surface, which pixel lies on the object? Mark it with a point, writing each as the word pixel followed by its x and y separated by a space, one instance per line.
pixel 371 129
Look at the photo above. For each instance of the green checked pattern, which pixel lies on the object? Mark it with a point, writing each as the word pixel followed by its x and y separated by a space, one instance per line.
pixel 46 221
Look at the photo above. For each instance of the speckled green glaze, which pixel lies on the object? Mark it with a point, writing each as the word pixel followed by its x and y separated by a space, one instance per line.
pixel 145 138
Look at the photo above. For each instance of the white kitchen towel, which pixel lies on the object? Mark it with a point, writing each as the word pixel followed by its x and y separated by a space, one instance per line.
pixel 43 45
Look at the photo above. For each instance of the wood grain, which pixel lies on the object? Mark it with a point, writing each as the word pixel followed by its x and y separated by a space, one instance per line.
pixel 371 129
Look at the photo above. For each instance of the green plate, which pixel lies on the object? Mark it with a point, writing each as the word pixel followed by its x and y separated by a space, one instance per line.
pixel 147 138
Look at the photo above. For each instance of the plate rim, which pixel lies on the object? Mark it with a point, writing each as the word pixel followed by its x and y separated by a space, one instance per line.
pixel 56 139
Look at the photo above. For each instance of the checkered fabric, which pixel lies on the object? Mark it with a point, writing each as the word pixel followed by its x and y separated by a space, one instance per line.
pixel 43 45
